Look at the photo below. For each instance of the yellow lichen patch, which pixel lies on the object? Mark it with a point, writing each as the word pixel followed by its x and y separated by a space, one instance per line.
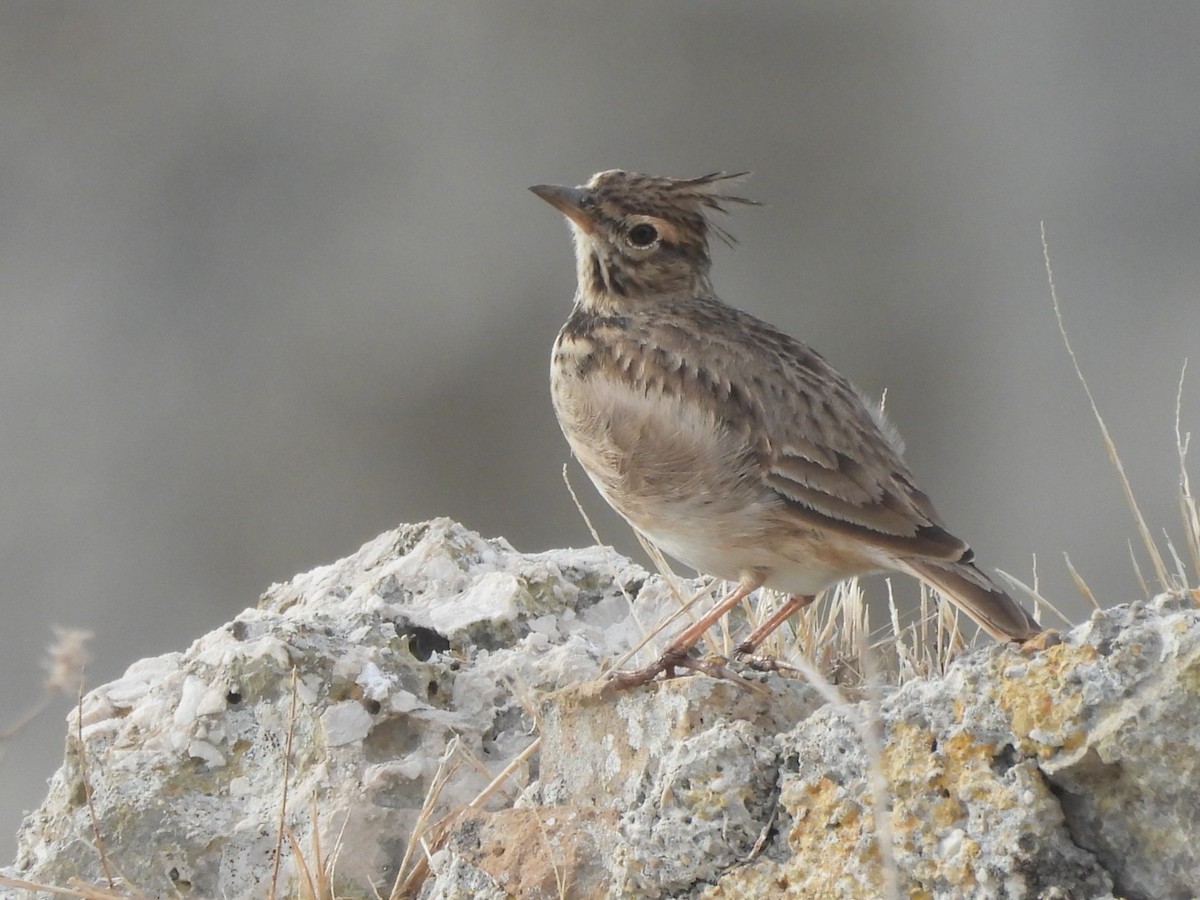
pixel 969 763
pixel 957 769
pixel 786 881
pixel 932 786
pixel 832 836
pixel 820 808
pixel 765 878
pixel 1044 701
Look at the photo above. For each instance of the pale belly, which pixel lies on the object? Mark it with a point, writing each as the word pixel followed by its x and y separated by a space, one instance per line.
pixel 692 486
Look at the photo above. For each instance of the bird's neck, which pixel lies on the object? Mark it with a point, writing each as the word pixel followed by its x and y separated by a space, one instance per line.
pixel 606 287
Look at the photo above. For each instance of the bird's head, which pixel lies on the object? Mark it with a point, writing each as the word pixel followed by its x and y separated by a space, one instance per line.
pixel 639 238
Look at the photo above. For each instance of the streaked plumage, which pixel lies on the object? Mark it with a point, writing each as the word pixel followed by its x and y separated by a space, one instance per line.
pixel 732 446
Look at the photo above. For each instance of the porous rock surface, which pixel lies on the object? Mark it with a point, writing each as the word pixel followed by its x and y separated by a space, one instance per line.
pixel 1065 773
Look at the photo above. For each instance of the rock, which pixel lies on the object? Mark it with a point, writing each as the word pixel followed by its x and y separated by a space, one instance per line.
pixel 690 766
pixel 427 635
pixel 1069 772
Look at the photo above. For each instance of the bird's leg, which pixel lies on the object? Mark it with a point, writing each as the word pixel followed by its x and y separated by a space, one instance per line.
pixel 677 651
pixel 794 603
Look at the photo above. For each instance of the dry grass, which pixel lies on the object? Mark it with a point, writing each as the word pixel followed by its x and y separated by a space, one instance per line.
pixel 1174 581
pixel 285 782
pixel 65 661
pixel 1188 510
pixel 315 870
pixel 93 819
pixel 428 835
pixel 74 888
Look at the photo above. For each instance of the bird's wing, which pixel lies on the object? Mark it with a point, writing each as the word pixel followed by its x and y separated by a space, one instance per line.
pixel 830 455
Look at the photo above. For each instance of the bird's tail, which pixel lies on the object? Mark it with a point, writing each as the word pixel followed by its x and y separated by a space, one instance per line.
pixel 974 593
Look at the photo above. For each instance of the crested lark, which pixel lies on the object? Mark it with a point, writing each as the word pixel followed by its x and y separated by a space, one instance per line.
pixel 732 446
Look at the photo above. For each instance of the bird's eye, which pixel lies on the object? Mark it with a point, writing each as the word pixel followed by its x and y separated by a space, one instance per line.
pixel 642 235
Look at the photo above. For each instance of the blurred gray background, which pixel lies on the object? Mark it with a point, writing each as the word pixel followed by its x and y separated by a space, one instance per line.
pixel 271 281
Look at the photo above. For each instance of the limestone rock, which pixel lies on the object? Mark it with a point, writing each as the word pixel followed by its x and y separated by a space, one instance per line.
pixel 1064 773
pixel 427 634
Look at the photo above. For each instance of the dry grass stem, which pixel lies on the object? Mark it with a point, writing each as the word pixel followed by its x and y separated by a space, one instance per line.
pixel 1160 569
pixel 1187 500
pixel 872 735
pixel 562 879
pixel 283 800
pixel 1137 570
pixel 84 891
pixel 1032 592
pixel 1180 565
pixel 1080 584
pixel 87 792
pixel 413 872
pixel 506 773
pixel 307 883
pixel 579 507
pixel 411 875
pixel 496 784
pixel 933 641
pixel 26 717
pixel 316 881
pixel 595 536
pixel 763 836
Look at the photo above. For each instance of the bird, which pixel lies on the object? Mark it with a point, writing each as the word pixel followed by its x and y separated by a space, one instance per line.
pixel 732 446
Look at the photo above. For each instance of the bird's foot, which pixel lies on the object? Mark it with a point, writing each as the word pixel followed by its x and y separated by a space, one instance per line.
pixel 668 665
pixel 673 658
pixel 746 657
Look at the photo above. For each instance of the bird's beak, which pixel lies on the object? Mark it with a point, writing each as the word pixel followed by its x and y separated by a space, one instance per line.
pixel 569 201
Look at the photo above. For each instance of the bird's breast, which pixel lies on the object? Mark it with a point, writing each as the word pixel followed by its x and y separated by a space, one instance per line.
pixel 658 454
